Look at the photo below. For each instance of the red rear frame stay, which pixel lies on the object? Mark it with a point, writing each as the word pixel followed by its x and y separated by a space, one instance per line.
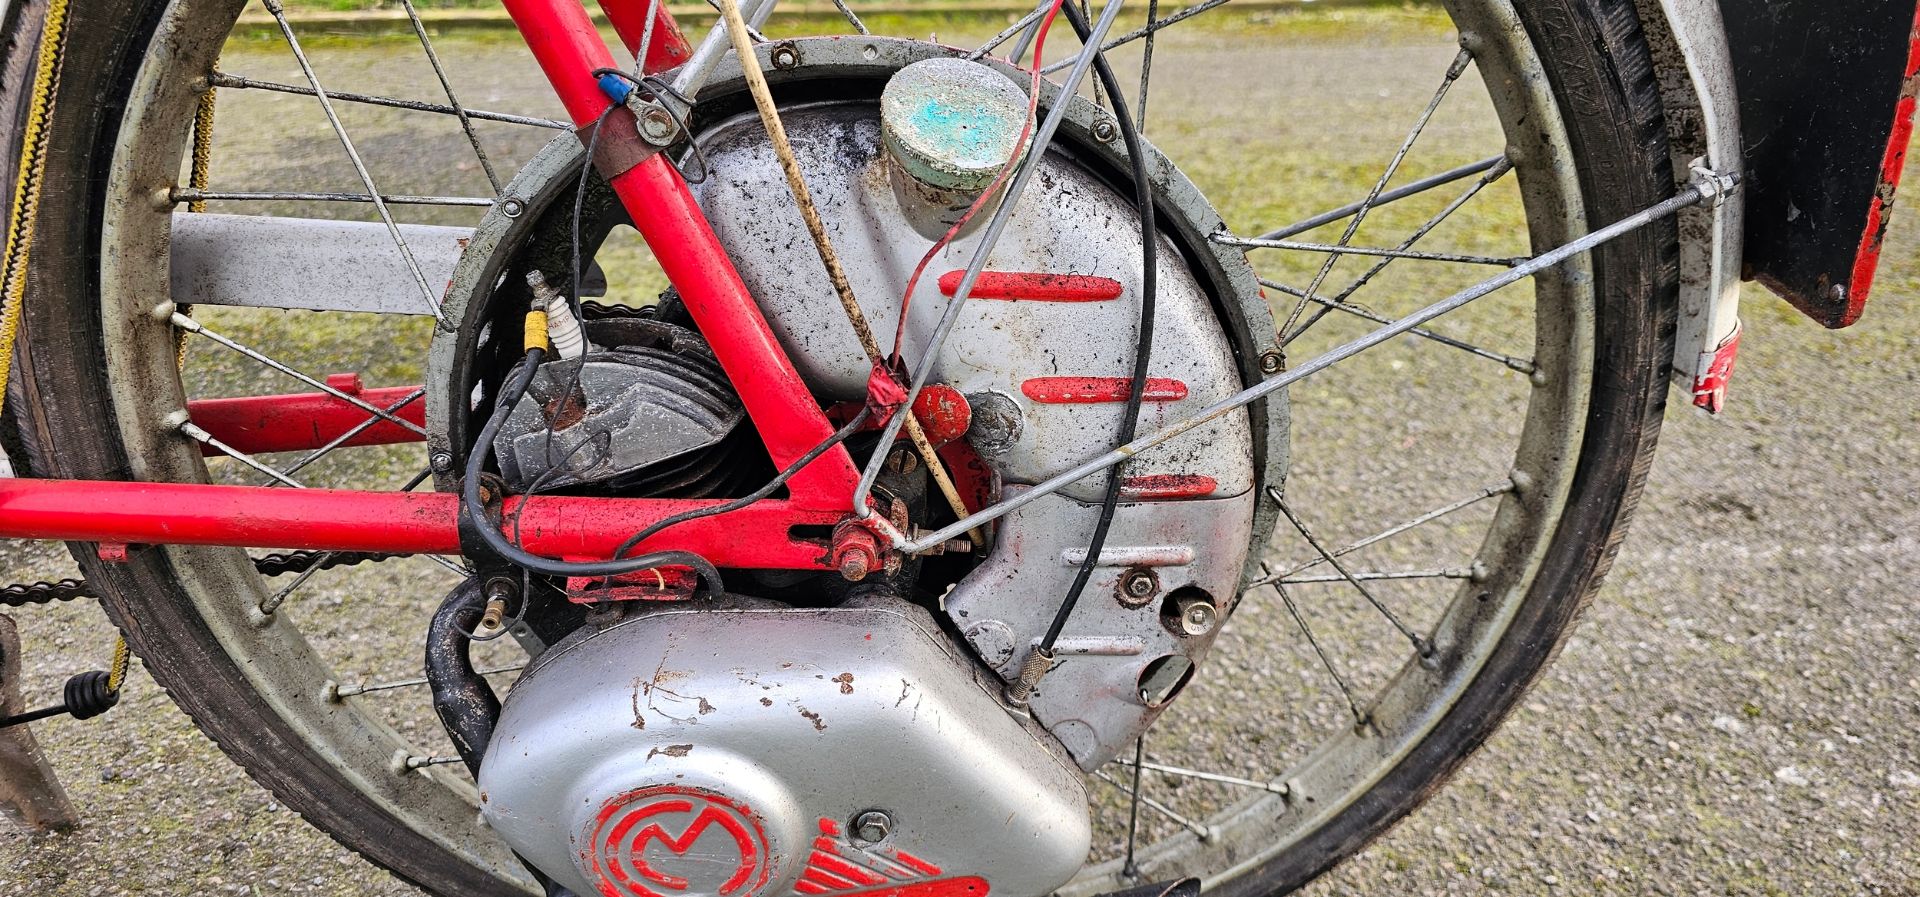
pixel 770 534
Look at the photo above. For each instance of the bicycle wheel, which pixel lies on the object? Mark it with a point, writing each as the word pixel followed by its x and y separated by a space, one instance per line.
pixel 1349 679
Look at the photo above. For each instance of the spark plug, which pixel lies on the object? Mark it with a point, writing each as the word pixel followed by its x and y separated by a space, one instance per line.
pixel 563 329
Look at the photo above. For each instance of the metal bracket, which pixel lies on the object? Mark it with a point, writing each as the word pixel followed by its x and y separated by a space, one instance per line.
pixel 1703 116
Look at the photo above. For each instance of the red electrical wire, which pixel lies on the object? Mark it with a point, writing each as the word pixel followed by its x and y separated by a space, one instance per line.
pixel 1000 180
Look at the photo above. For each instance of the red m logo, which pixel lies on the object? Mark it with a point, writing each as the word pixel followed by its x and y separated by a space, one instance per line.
pixel 633 823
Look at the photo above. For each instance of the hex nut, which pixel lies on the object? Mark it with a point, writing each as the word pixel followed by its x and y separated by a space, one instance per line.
pixel 872 826
pixel 1137 587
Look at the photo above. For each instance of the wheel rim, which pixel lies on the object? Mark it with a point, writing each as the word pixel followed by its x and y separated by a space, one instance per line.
pixel 1240 833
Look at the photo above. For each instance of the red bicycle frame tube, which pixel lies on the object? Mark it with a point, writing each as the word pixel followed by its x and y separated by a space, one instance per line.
pixel 771 534
pixel 759 536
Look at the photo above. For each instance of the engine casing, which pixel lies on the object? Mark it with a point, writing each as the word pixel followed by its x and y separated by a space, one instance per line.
pixel 728 750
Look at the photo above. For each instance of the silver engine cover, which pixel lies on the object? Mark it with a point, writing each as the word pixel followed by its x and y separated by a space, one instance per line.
pixel 728 751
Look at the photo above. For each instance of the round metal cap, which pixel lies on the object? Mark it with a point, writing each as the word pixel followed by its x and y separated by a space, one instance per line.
pixel 952 124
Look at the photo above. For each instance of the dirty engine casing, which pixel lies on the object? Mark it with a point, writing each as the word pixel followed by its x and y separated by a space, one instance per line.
pixel 735 752
pixel 739 747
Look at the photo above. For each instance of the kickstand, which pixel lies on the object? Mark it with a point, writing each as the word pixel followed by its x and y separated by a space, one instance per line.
pixel 30 795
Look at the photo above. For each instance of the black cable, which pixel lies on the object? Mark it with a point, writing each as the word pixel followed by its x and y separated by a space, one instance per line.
pixel 510 394
pixel 780 479
pixel 1143 346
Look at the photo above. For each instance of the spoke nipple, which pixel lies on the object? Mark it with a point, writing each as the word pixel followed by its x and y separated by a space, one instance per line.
pixel 442 462
pixel 1478 572
pixel 163 199
pixel 167 311
pixel 1522 481
pixel 512 208
pixel 330 691
pixel 1105 130
pixel 177 420
pixel 1273 361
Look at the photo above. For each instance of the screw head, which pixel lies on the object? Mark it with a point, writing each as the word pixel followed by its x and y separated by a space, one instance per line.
pixel 785 56
pixel 1198 618
pixel 1272 361
pixel 441 461
pixel 512 208
pixel 1137 586
pixel 1104 130
pixel 873 826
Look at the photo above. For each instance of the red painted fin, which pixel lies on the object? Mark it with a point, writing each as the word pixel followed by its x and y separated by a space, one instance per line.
pixel 1034 286
pixel 1162 486
pixel 1095 390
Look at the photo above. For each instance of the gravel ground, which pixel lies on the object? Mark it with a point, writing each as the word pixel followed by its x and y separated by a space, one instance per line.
pixel 1735 715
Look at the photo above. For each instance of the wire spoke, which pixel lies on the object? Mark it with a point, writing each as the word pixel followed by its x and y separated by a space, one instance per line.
pixel 852 19
pixel 1182 772
pixel 1298 246
pixel 226 79
pixel 353 155
pixel 272 602
pixel 1346 691
pixel 1391 196
pixel 1459 66
pixel 1128 867
pixel 1420 644
pixel 1021 26
pixel 348 691
pixel 1524 366
pixel 1499 169
pixel 1146 68
pixel 192 326
pixel 193 431
pixel 459 111
pixel 191 195
pixel 1489 491
pixel 1199 831
pixel 356 430
pixel 1144 31
pixel 1370 575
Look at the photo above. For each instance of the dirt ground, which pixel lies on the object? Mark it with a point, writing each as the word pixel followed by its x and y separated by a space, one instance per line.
pixel 1738 713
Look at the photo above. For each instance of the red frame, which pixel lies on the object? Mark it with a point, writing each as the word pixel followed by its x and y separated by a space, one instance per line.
pixel 771 534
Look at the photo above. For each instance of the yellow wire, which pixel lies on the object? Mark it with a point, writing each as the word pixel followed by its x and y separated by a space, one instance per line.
pixel 26 186
pixel 20 226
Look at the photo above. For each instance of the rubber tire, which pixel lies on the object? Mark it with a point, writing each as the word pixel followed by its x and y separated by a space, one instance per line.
pixel 1590 48
pixel 56 399
pixel 1594 49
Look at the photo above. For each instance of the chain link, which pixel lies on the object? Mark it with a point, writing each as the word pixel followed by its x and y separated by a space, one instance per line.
pixel 37 593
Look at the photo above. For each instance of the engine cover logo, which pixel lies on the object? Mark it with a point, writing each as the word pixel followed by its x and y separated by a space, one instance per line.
pixel 669 840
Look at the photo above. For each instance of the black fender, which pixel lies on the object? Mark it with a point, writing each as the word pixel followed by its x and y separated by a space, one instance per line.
pixel 1826 92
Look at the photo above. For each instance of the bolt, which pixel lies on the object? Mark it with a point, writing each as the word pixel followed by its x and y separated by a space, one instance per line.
pixel 1197 617
pixel 1104 130
pixel 657 125
pixel 785 56
pixel 441 461
pixel 1272 361
pixel 902 460
pixel 855 565
pixel 1137 586
pixel 873 826
pixel 512 208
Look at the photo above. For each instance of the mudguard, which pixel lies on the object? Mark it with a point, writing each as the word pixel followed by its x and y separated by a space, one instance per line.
pixel 1826 95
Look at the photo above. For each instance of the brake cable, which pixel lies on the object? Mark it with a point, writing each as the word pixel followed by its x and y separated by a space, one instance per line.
pixel 1040 659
